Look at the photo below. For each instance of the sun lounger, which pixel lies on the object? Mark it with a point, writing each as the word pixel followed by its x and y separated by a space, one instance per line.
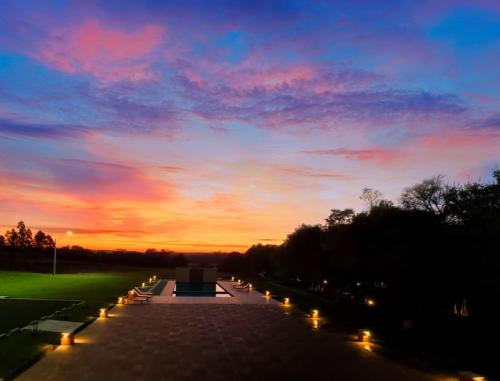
pixel 133 297
pixel 135 300
pixel 142 293
pixel 246 286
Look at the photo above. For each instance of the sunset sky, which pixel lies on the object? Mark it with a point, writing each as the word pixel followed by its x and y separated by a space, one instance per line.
pixel 212 125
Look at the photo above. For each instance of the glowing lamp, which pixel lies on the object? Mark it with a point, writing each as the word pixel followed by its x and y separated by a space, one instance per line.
pixel 364 335
pixel 232 279
pixel 315 324
pixel 469 376
pixel 325 281
pixel 103 313
pixel 67 338
pixel 154 277
pixel 143 284
pixel 370 302
pixel 250 286
pixel 150 280
pixel 120 300
pixel 286 301
pixel 239 281
pixel 267 294
pixel 315 314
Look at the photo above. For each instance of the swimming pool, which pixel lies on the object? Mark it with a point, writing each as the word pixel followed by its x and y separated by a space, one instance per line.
pixel 200 289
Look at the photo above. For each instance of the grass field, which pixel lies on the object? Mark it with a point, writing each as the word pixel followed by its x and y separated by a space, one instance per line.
pixel 95 289
pixel 90 287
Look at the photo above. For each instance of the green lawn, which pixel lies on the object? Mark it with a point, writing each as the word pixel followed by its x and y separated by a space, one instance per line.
pixel 95 289
pixel 91 287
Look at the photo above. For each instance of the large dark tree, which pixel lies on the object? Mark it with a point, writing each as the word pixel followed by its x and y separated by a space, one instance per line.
pixel 304 254
pixel 43 241
pixel 371 196
pixel 259 259
pixel 340 217
pixel 429 195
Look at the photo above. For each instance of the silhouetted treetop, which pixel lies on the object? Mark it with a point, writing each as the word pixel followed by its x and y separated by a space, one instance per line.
pixel 429 195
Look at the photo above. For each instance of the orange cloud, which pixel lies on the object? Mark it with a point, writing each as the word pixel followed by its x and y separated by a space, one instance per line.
pixel 108 54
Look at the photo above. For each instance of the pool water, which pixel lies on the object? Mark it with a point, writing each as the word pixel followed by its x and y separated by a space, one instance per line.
pixel 200 289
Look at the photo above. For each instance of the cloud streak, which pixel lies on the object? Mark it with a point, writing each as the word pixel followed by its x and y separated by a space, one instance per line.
pixel 12 127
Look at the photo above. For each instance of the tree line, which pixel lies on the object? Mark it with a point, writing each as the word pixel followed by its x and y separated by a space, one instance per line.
pixel 21 238
pixel 436 248
pixel 23 248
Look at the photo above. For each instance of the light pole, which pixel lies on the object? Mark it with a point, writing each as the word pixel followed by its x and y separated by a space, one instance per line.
pixel 68 233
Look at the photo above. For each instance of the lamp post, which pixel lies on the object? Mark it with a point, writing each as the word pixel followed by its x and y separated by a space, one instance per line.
pixel 68 233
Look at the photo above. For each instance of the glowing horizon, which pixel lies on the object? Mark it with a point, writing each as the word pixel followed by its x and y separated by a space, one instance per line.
pixel 200 128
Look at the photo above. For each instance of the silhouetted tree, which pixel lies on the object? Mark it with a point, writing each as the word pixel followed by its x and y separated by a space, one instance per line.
pixel 2 241
pixel 496 175
pixel 24 236
pixel 428 195
pixel 339 217
pixel 259 259
pixel 43 241
pixel 12 238
pixel 304 253
pixel 371 196
pixel 233 263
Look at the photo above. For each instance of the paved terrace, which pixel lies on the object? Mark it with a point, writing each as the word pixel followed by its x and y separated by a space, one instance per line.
pixel 245 339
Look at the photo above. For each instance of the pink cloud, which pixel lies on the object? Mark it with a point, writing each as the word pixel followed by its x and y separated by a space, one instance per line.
pixel 376 154
pixel 108 54
pixel 307 172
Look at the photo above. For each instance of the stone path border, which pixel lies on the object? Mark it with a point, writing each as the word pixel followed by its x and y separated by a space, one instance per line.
pixel 42 318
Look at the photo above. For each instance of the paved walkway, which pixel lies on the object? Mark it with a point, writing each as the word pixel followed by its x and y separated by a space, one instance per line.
pixel 211 342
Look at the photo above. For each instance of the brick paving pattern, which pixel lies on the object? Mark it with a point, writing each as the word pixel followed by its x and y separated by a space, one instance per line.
pixel 211 342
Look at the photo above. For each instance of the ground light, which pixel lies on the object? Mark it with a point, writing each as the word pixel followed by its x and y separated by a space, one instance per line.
pixel 315 323
pixel 315 314
pixel 364 335
pixel 143 285
pixel 154 277
pixel 120 300
pixel 370 302
pixel 239 281
pixel 232 279
pixel 67 338
pixel 150 280
pixel 469 376
pixel 286 301
pixel 250 286
pixel 267 294
pixel 103 313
